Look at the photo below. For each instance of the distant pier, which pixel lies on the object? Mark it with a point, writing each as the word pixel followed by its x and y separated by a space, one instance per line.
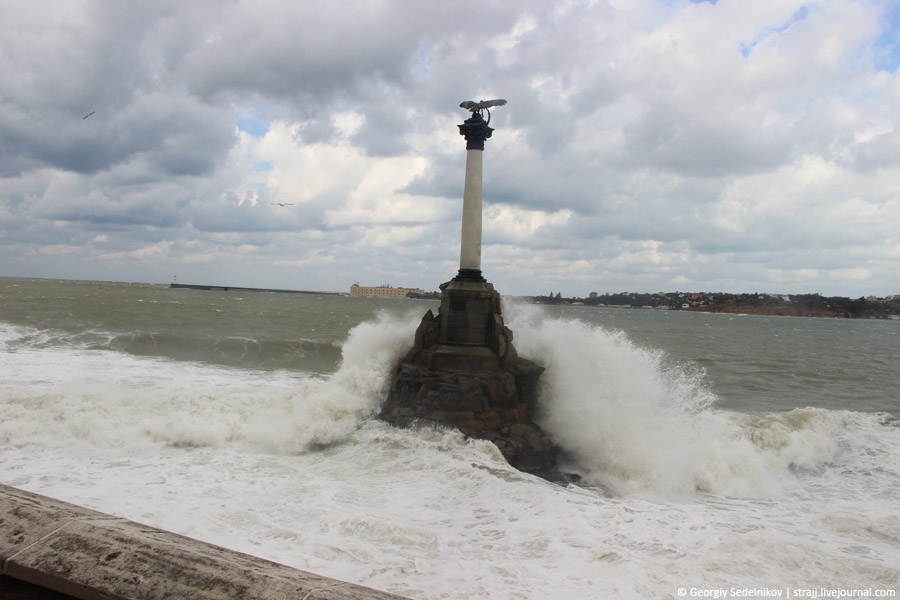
pixel 231 288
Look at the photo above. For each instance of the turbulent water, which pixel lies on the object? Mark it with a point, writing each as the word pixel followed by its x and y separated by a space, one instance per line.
pixel 715 451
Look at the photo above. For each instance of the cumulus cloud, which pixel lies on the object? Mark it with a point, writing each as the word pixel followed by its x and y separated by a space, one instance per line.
pixel 646 146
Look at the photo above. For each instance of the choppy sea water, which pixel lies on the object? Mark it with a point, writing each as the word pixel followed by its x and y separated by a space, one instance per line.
pixel 716 451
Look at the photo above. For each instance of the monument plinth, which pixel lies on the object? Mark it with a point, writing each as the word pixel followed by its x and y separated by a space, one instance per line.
pixel 463 370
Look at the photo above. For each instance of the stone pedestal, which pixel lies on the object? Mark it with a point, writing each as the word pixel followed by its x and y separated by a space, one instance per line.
pixel 463 372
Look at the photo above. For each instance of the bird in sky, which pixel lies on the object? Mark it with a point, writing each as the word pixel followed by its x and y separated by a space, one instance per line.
pixel 282 204
pixel 87 115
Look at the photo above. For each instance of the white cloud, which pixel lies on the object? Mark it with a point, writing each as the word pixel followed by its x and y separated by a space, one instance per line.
pixel 743 146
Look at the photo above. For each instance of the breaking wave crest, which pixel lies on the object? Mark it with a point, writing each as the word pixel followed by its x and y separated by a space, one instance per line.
pixel 62 395
pixel 327 411
pixel 635 421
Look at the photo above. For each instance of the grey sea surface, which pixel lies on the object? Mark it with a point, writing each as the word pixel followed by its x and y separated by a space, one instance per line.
pixel 751 362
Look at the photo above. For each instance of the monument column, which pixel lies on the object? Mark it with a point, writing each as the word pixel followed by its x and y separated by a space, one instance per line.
pixel 476 131
pixel 462 370
pixel 468 302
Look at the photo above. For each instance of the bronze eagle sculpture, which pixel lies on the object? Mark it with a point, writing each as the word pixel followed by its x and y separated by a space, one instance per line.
pixel 482 106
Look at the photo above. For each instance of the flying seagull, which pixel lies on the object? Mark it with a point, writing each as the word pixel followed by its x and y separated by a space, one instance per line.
pixel 87 115
pixel 282 204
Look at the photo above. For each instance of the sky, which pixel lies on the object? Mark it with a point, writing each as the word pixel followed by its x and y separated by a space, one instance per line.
pixel 647 145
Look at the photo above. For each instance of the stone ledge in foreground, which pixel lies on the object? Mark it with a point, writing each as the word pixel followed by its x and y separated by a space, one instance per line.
pixel 52 549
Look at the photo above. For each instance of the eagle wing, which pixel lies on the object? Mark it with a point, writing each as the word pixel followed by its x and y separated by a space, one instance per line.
pixel 473 106
pixel 491 103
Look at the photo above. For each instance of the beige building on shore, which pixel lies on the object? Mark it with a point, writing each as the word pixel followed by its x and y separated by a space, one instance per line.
pixel 383 291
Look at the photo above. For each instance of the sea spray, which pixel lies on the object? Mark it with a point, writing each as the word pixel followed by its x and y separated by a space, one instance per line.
pixel 103 400
pixel 326 411
pixel 636 422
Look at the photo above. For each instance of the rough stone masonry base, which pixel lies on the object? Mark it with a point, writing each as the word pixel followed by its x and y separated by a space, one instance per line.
pixel 463 371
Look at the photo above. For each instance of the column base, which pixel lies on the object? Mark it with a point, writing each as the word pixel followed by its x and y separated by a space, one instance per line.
pixel 469 275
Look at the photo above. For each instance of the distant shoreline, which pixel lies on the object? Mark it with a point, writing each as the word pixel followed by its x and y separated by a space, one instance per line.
pixel 796 305
pixel 231 288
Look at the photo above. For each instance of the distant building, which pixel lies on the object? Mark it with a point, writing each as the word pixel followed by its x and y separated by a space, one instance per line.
pixel 383 291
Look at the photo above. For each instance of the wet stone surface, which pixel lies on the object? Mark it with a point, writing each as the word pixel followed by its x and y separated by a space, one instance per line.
pixel 482 388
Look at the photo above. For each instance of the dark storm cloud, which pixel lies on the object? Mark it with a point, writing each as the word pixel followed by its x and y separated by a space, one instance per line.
pixel 381 134
pixel 111 60
pixel 308 54
pixel 668 138
pixel 318 58
pixel 171 134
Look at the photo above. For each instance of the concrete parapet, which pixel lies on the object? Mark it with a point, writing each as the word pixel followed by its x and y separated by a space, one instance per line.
pixel 52 549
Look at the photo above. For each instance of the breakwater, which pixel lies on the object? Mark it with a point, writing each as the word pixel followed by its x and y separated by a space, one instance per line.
pixel 231 288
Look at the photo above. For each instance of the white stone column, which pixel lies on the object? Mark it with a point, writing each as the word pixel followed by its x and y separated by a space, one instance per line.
pixel 476 131
pixel 470 244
